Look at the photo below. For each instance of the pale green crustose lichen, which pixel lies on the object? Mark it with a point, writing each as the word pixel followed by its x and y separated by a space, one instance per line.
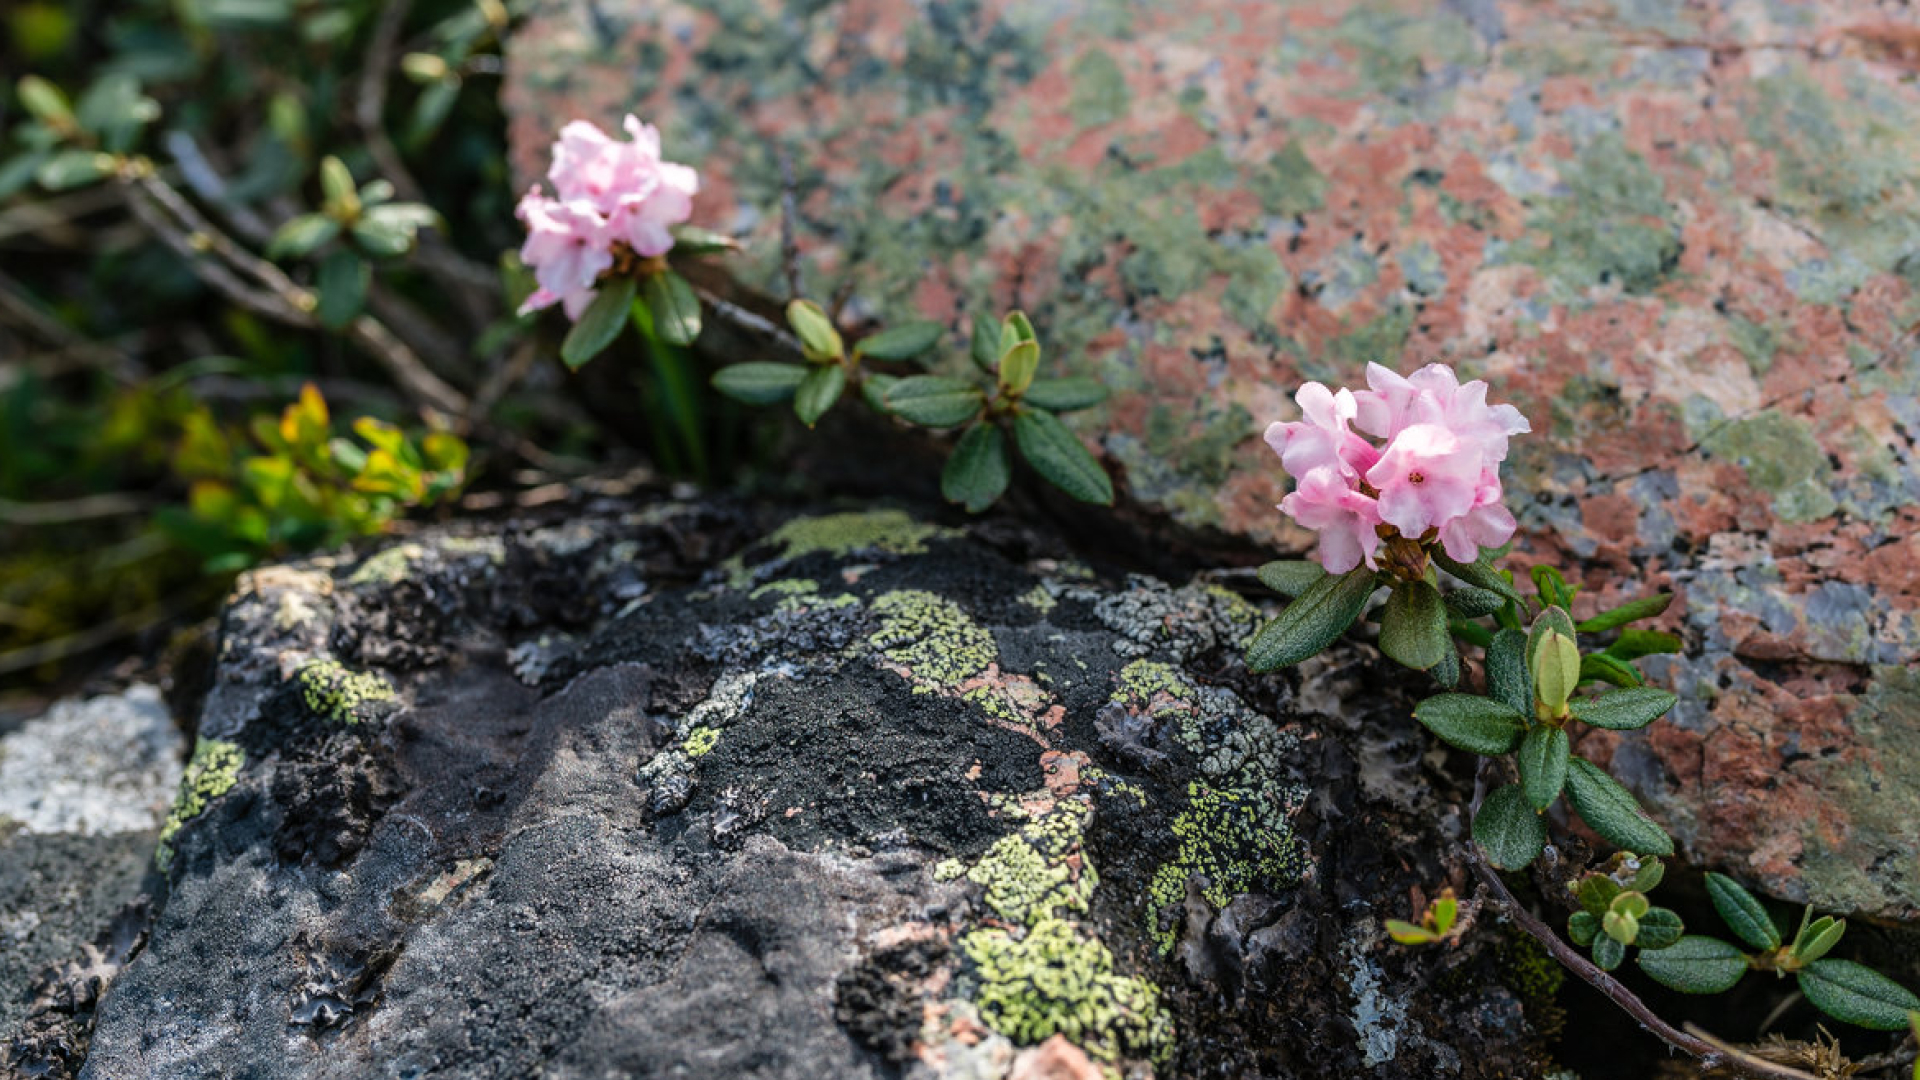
pixel 932 637
pixel 1237 843
pixel 891 532
pixel 210 773
pixel 333 692
pixel 1056 979
pixel 700 742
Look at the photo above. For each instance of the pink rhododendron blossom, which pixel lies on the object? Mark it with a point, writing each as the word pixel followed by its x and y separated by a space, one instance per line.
pixel 1347 521
pixel 1436 476
pixel 606 191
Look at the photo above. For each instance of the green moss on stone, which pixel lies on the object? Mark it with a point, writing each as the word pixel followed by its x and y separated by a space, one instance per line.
pixel 210 773
pixel 1055 979
pixel 700 741
pixel 932 637
pixel 333 692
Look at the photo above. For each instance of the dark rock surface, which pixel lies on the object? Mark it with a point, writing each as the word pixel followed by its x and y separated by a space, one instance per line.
pixel 665 793
pixel 1682 238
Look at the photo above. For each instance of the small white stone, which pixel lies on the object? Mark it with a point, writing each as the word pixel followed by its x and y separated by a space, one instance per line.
pixel 98 766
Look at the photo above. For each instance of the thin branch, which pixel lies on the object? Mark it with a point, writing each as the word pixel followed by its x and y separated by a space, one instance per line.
pixel 63 511
pixel 789 247
pixel 1746 1060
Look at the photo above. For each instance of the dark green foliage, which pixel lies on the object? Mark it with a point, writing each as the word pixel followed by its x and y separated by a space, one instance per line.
pixel 1321 614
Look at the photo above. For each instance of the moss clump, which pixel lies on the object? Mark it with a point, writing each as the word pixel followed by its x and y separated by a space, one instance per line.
pixel 1234 841
pixel 211 773
pixel 332 692
pixel 1054 979
pixel 933 638
pixel 892 532
pixel 700 741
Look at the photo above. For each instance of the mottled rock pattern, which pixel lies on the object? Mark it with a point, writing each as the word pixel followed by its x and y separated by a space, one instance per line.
pixel 666 794
pixel 1682 238
pixel 82 792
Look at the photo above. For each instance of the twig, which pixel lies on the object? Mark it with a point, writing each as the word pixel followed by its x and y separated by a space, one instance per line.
pixel 1710 1055
pixel 85 508
pixel 789 247
pixel 1750 1061
pixel 742 319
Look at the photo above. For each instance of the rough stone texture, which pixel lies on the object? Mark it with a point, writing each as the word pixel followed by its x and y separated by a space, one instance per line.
pixel 82 790
pixel 1681 237
pixel 871 797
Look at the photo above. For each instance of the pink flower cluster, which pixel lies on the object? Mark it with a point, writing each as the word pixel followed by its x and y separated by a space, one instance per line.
pixel 605 191
pixel 1437 474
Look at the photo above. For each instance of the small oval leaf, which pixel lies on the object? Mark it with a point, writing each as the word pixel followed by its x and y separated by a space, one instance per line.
pixel 600 323
pixel 935 400
pixel 1543 764
pixel 1512 834
pixel 1644 608
pixel 1058 456
pixel 977 472
pixel 819 341
pixel 1624 710
pixel 1612 810
pixel 759 382
pixel 675 308
pixel 901 342
pixel 818 391
pixel 1413 626
pixel 1290 577
pixel 1313 622
pixel 1065 395
pixel 1857 994
pixel 1660 928
pixel 1507 678
pixel 1695 965
pixel 1472 723
pixel 1742 912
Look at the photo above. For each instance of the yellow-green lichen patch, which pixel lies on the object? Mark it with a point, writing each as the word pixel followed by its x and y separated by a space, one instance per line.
pixel 938 643
pixel 1039 871
pixel 333 692
pixel 1142 680
pixel 387 567
pixel 211 772
pixel 892 532
pixel 1056 979
pixel 700 741
pixel 786 587
pixel 1236 842
pixel 1039 599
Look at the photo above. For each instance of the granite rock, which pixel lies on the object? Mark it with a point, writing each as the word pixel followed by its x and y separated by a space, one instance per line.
pixel 1682 238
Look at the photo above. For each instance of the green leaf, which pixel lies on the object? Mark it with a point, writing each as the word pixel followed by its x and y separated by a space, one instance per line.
pixel 1634 643
pixel 1321 614
pixel 874 389
pixel 1644 608
pixel 1650 872
pixel 1857 994
pixel 1065 395
pixel 985 346
pixel 1612 810
pixel 1471 601
pixel 301 235
pixel 1583 927
pixel 818 391
pixel 1470 632
pixel 344 277
pixel 693 240
pixel 1447 671
pixel 1481 725
pixel 336 183
pixel 1481 573
pixel 19 171
pixel 114 108
pixel 1596 893
pixel 1408 934
pixel 902 342
pixel 1660 928
pixel 599 324
pixel 1552 587
pixel 1818 939
pixel 818 339
pixel 1014 329
pixel 935 401
pixel 1624 710
pixel 1413 626
pixel 1290 577
pixel 1621 926
pixel 1512 834
pixel 73 168
pixel 1017 367
pixel 388 231
pixel 1543 764
pixel 977 473
pixel 760 382
pixel 1695 965
pixel 1507 678
pixel 1599 667
pixel 676 310
pixel 1553 659
pixel 46 102
pixel 1608 952
pixel 1057 455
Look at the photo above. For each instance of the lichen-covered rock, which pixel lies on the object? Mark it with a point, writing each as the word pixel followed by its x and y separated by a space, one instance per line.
pixel 1682 238
pixel 935 801
pixel 83 790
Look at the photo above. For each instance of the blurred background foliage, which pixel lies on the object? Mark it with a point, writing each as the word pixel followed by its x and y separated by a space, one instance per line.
pixel 253 303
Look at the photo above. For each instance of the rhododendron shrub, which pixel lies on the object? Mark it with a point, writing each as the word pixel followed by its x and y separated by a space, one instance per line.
pixel 1401 482
pixel 598 239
